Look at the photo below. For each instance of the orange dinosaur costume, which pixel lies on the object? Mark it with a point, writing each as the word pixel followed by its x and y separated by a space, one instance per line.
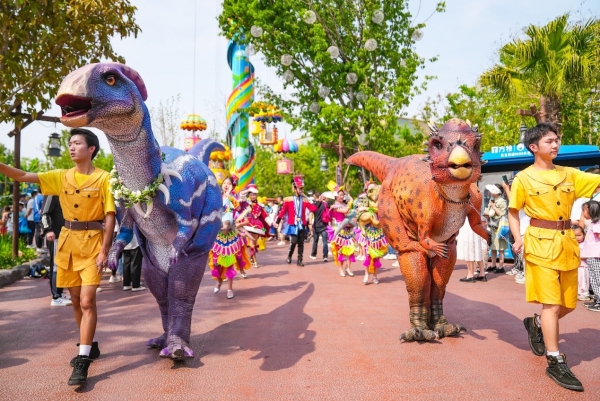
pixel 423 203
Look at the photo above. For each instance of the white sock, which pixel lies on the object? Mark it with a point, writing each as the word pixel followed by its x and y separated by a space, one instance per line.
pixel 553 353
pixel 85 350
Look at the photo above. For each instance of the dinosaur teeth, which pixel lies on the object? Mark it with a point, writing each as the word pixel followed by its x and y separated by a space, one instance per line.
pixel 475 128
pixel 138 208
pixel 483 162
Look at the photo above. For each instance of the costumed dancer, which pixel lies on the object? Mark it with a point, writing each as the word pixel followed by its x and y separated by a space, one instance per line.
pixel 257 221
pixel 372 236
pixel 361 241
pixel 295 209
pixel 228 252
pixel 343 242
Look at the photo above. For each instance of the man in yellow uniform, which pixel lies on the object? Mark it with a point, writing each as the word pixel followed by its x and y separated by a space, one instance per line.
pixel 84 242
pixel 547 193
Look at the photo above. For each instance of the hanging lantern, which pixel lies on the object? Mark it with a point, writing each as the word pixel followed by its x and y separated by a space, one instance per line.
pixel 288 76
pixel 361 97
pixel 287 59
pixel 257 127
pixel 377 17
pixel 323 91
pixel 314 107
pixel 193 122
pixel 371 45
pixel 351 78
pixel 309 17
pixel 268 137
pixel 417 35
pixel 256 31
pixel 293 147
pixel 333 51
pixel 190 141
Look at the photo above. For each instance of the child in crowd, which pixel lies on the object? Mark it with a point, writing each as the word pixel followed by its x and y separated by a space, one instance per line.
pixel 590 250
pixel 582 273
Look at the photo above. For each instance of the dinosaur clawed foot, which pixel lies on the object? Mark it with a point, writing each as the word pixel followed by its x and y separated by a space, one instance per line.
pixel 177 349
pixel 158 342
pixel 448 330
pixel 418 334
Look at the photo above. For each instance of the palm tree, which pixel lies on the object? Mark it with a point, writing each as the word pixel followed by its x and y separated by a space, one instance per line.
pixel 552 60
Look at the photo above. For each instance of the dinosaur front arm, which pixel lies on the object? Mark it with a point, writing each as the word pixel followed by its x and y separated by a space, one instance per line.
pixel 124 237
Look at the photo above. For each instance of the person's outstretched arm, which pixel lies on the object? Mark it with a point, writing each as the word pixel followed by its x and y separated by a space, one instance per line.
pixel 18 175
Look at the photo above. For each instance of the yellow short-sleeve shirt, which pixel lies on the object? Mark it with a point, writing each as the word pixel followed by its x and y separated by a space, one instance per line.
pixel 51 184
pixel 549 195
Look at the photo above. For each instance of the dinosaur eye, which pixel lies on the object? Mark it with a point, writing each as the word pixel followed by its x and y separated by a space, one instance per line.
pixel 438 145
pixel 110 79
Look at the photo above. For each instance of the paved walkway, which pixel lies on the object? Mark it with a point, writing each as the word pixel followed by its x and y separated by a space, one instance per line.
pixel 294 333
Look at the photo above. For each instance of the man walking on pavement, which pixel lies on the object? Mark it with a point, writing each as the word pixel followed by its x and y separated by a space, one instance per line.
pixel 321 220
pixel 295 208
pixel 87 203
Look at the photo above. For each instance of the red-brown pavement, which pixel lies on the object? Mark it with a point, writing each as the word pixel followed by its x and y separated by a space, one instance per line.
pixel 294 333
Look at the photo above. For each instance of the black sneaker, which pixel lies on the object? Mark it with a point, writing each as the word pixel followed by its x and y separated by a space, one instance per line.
pixel 288 260
pixel 94 352
pixel 491 269
pixel 500 270
pixel 536 338
pixel 558 371
pixel 588 304
pixel 594 308
pixel 80 370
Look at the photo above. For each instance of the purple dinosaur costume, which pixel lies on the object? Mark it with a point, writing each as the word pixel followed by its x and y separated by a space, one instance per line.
pixel 178 220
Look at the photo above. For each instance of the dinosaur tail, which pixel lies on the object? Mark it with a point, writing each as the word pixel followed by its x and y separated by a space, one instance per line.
pixel 376 163
pixel 204 148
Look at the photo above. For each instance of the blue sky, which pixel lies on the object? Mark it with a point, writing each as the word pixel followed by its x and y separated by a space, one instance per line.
pixel 466 38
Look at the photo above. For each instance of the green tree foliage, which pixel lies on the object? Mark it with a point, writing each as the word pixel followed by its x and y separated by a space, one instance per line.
pixel 44 40
pixel 552 60
pixel 326 100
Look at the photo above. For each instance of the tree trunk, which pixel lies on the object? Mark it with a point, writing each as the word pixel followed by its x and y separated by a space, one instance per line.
pixel 550 111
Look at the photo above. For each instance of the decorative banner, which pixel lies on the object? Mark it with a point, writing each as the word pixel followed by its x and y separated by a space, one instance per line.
pixel 240 99
pixel 285 166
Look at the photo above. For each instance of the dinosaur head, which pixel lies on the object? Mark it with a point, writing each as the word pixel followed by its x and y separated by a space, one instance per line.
pixel 453 153
pixel 108 96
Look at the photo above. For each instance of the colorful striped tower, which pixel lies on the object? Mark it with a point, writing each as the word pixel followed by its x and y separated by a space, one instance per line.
pixel 241 97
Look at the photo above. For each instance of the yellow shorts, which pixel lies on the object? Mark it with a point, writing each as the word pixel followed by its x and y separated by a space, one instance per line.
pixel 66 278
pixel 551 287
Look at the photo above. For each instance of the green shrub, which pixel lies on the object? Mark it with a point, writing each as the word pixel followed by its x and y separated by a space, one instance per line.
pixel 6 259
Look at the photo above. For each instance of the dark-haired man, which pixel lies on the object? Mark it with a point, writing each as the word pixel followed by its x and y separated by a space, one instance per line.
pixel 547 193
pixel 89 211
pixel 295 209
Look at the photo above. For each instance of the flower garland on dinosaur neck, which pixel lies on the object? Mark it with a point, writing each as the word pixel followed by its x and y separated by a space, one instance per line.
pixel 129 197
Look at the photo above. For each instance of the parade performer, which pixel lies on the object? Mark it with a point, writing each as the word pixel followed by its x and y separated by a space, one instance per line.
pixel 89 212
pixel 343 242
pixel 423 202
pixel 295 209
pixel 547 192
pixel 228 253
pixel 373 238
pixel 169 196
pixel 257 221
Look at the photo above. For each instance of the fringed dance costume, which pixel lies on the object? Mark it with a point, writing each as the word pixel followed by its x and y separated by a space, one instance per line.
pixel 343 244
pixel 228 252
pixel 376 247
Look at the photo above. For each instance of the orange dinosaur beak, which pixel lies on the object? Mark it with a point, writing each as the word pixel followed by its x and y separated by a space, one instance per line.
pixel 459 163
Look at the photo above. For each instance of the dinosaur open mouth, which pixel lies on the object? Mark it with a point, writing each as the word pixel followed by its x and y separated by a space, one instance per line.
pixel 460 171
pixel 74 109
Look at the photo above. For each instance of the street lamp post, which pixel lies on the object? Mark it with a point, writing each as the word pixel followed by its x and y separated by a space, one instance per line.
pixel 324 165
pixel 522 130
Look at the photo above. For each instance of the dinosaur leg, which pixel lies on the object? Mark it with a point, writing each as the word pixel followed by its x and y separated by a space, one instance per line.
pixel 157 282
pixel 413 266
pixel 184 281
pixel 441 271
